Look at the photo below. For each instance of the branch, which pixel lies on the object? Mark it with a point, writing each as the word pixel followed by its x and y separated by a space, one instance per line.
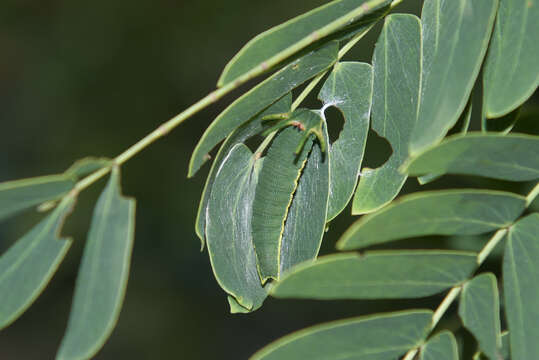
pixel 481 257
pixel 217 94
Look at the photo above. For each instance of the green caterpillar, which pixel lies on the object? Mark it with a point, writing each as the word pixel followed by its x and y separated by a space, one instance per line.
pixel 278 181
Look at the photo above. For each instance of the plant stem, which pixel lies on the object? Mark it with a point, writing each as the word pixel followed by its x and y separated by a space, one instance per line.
pixel 349 45
pixel 440 311
pixel 265 143
pixel 217 94
pixel 308 89
pixel 410 354
pixel 491 244
pixel 444 305
pixel 481 257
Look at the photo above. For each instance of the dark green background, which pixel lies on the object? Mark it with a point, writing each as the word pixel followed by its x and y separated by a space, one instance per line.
pixel 91 78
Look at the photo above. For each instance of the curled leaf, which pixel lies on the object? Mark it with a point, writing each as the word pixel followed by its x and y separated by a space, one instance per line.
pixel 228 229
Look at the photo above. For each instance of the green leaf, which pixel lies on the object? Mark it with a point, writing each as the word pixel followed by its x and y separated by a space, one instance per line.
pixel 455 38
pixel 466 119
pixel 376 337
pixel 377 275
pixel 349 89
pixel 450 212
pixel 244 132
pixel 260 97
pixel 19 195
pixel 442 346
pixel 228 229
pixel 511 68
pixel 521 288
pixel 306 28
pixel 306 219
pixel 86 166
pixel 274 192
pixel 103 274
pixel 508 157
pixel 479 310
pixel 397 67
pixel 28 265
pixel 236 308
pixel 505 351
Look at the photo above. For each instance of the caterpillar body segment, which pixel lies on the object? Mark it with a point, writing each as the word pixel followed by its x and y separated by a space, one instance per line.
pixel 278 181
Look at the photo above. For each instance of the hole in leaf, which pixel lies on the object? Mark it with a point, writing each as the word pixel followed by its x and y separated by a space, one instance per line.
pixel 377 152
pixel 335 121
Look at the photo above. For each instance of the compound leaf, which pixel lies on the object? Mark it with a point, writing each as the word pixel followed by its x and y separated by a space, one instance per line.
pixel 377 275
pixel 376 337
pixel 103 274
pixel 449 212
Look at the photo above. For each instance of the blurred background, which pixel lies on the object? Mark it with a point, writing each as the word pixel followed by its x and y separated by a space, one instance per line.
pixel 84 78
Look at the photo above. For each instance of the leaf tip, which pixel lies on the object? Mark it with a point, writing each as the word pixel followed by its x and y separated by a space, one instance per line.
pixel 341 245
